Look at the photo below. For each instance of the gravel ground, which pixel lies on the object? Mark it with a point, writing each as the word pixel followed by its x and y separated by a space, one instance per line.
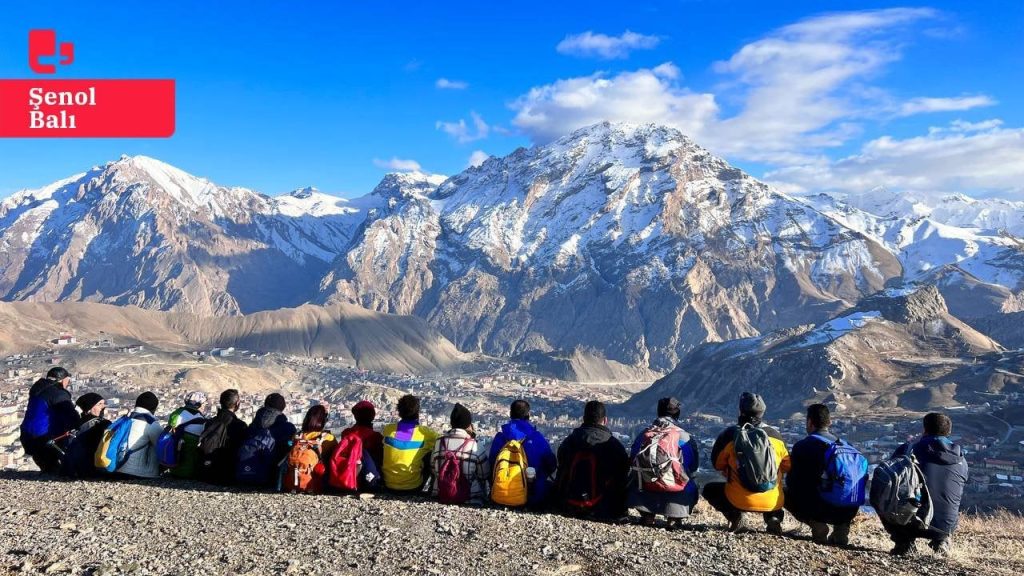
pixel 165 527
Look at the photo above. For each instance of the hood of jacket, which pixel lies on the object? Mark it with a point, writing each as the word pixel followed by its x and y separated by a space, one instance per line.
pixel 517 429
pixel 939 449
pixel 265 417
pixel 593 434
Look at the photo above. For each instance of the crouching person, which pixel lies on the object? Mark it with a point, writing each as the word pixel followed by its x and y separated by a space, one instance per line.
pixel 459 468
pixel 664 458
pixel 826 480
pixel 592 469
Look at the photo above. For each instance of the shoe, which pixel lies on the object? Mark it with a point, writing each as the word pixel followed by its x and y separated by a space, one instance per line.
pixel 674 524
pixel 904 549
pixel 735 523
pixel 840 535
pixel 774 527
pixel 941 547
pixel 819 532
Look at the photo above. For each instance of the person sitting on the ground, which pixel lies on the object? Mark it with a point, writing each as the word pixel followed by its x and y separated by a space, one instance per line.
pixel 280 428
pixel 50 414
pixel 79 455
pixel 142 461
pixel 945 472
pixel 309 453
pixel 222 436
pixel 539 455
pixel 675 493
pixel 592 469
pixel 407 445
pixel 807 467
pixel 189 416
pixel 373 442
pixel 753 479
pixel 459 467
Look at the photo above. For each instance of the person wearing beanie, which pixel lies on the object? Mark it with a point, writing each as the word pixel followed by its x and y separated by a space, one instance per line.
pixel 458 447
pixel 142 461
pixel 78 460
pixel 673 498
pixel 189 418
pixel 536 448
pixel 373 442
pixel 736 495
pixel 407 448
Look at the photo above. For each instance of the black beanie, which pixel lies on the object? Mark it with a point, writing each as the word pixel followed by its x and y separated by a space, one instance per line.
pixel 752 405
pixel 147 400
pixel 461 418
pixel 88 400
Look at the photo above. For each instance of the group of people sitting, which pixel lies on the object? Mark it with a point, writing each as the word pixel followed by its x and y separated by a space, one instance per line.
pixel 822 482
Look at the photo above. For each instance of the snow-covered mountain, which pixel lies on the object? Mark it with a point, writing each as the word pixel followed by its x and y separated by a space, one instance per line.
pixel 631 242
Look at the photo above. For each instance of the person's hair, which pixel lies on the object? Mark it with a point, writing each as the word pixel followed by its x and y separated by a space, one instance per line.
pixel 409 407
pixel 819 416
pixel 275 401
pixel 57 374
pixel 937 424
pixel 520 410
pixel 669 408
pixel 315 420
pixel 229 399
pixel 594 413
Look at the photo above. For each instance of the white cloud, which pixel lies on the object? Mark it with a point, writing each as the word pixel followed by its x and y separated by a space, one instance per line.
pixel 981 158
pixel 924 105
pixel 398 164
pixel 477 158
pixel 446 84
pixel 591 45
pixel 646 95
pixel 464 133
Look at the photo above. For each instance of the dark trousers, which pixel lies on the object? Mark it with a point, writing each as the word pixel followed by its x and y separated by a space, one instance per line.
pixel 714 493
pixel 808 510
pixel 45 456
pixel 914 530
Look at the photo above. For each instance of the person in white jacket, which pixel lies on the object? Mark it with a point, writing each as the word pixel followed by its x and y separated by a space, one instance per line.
pixel 142 461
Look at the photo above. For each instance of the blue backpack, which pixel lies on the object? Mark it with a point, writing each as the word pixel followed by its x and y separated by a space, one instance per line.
pixel 113 451
pixel 255 458
pixel 845 478
pixel 37 417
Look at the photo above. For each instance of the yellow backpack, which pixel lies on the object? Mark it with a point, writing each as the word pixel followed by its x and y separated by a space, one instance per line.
pixel 509 485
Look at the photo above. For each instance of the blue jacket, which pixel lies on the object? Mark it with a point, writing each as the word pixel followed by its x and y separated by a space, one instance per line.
pixel 539 455
pixel 945 473
pixel 688 449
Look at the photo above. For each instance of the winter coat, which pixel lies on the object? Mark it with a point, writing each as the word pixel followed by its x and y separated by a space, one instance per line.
pixel 803 494
pixel 406 446
pixel 80 452
pixel 373 442
pixel 612 467
pixel 474 463
pixel 945 472
pixel 668 504
pixel 50 413
pixel 142 461
pixel 280 428
pixel 189 454
pixel 539 456
pixel 723 455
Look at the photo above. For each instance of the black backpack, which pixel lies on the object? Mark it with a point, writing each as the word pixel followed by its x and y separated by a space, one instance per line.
pixel 78 460
pixel 581 489
pixel 212 443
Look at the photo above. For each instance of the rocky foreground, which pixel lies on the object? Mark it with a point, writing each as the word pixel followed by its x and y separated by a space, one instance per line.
pixel 59 527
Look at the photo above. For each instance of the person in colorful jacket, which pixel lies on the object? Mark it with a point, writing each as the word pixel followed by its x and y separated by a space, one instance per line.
pixel 674 506
pixel 191 417
pixel 731 498
pixel 461 439
pixel 407 445
pixel 539 455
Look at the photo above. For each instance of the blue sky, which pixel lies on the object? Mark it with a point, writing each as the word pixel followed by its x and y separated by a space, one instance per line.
pixel 809 95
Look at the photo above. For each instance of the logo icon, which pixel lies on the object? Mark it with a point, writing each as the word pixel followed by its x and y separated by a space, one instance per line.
pixel 42 44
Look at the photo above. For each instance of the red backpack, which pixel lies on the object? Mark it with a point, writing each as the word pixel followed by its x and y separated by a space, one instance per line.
pixel 581 489
pixel 452 486
pixel 346 462
pixel 658 464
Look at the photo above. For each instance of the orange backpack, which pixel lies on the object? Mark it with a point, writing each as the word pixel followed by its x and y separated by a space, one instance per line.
pixel 305 469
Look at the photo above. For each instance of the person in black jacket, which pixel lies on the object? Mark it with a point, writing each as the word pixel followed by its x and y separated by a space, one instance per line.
pixel 807 465
pixel 78 460
pixel 945 472
pixel 219 443
pixel 50 414
pixel 281 429
pixel 592 468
